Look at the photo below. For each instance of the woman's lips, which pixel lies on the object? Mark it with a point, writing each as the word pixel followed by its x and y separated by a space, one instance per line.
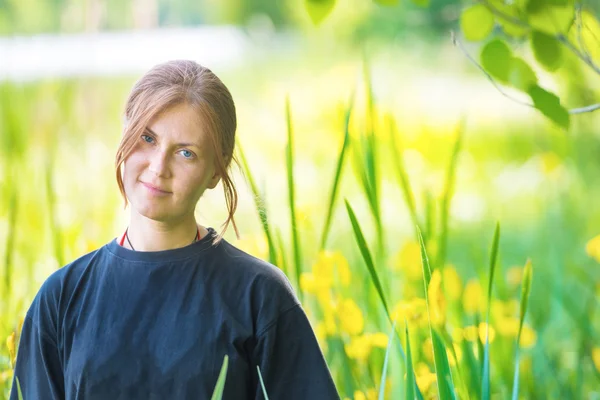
pixel 155 190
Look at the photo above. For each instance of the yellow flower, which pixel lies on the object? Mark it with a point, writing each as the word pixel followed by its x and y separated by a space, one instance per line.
pixel 308 283
pixel 358 395
pixel 458 352
pixel 408 261
pixel 11 344
pixel 528 337
pixel 351 318
pixel 437 302
pixel 452 283
pixel 327 265
pixel 472 297
pixel 414 311
pixel 358 348
pixel 371 394
pixel 379 339
pixel 425 378
pixel 514 275
pixel 596 357
pixel 592 248
pixel 457 335
pixel 471 333
pixel 427 349
pixel 508 326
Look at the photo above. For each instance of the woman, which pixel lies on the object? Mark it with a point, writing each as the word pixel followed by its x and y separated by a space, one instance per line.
pixel 153 313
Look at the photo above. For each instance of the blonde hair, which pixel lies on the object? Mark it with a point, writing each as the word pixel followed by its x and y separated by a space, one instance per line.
pixel 184 81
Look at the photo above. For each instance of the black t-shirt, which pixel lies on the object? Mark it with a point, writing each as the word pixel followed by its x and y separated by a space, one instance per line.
pixel 122 324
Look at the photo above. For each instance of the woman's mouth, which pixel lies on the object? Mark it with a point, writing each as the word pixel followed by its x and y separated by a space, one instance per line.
pixel 155 190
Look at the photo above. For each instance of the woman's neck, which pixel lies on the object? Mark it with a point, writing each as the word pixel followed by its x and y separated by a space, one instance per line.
pixel 148 235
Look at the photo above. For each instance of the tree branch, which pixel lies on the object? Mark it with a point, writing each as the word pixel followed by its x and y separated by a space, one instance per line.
pixel 584 56
pixel 457 42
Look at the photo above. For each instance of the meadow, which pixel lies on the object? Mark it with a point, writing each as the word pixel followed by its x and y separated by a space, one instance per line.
pixel 439 251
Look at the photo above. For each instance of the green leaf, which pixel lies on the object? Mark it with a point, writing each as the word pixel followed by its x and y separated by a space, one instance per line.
pixel 474 376
pixel 385 362
pixel 485 384
pixel 220 386
pixel 440 355
pixel 364 250
pixel 338 172
pixel 547 50
pixel 260 206
pixel 262 383
pixel 19 392
pixel 318 10
pixel 514 21
pixel 410 373
pixel 476 22
pixel 370 164
pixel 549 105
pixel 522 76
pixel 496 57
pixel 421 3
pixel 387 2
pixel 550 19
pixel 525 290
pixel 291 195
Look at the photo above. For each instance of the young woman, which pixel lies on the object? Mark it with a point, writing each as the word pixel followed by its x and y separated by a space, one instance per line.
pixel 153 313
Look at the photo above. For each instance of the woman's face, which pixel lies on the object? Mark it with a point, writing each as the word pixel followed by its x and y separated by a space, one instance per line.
pixel 170 167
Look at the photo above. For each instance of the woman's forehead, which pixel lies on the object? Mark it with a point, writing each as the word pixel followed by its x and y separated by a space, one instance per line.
pixel 179 123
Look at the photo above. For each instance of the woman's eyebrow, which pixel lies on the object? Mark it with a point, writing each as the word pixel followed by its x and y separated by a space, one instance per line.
pixel 185 144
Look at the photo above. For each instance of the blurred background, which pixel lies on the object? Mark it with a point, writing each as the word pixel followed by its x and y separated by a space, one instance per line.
pixel 420 111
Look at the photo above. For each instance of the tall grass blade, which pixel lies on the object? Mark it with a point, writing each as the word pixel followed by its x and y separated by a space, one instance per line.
pixel 430 216
pixel 260 205
pixel 525 290
pixel 291 195
pixel 282 260
pixel 220 386
pixel 385 362
pixel 398 159
pixel 370 153
pixel 262 383
pixel 474 377
pixel 440 355
pixel 485 384
pixel 410 372
pixel 338 172
pixel 19 392
pixel 447 197
pixel 364 250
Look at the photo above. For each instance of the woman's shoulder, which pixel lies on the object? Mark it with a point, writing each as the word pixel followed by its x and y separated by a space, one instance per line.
pixel 264 284
pixel 45 306
pixel 252 268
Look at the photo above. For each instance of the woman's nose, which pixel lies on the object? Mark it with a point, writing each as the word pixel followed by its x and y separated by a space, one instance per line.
pixel 159 163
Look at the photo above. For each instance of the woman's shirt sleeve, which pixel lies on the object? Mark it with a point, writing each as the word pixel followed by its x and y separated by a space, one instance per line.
pixel 38 367
pixel 290 360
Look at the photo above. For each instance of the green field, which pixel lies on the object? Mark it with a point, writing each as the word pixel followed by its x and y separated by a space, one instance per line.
pixel 368 162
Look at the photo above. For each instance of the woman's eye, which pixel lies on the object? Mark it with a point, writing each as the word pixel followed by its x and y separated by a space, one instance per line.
pixel 147 139
pixel 187 153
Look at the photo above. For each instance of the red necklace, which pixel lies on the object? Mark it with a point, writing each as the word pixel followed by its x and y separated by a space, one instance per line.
pixel 125 236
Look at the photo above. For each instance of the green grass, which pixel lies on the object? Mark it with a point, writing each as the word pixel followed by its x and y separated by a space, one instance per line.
pixel 399 177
